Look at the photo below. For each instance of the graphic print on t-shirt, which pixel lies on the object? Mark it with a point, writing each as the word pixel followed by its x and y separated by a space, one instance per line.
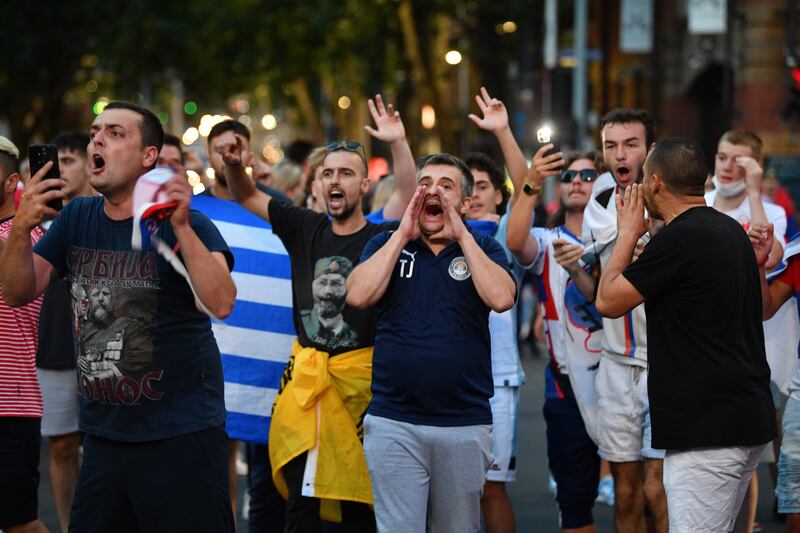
pixel 113 305
pixel 324 323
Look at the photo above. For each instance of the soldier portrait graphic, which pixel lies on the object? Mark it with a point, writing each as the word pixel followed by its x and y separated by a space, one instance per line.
pixel 325 324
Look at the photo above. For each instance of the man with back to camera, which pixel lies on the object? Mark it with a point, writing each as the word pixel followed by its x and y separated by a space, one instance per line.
pixel 156 427
pixel 326 479
pixel 428 428
pixel 55 358
pixel 623 415
pixel 709 381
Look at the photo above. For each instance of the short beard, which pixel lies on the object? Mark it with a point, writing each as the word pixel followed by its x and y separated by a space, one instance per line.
pixel 345 214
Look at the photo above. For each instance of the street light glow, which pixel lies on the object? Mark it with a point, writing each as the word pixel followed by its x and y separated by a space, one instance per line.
pixel 509 26
pixel 428 117
pixel 190 136
pixel 453 57
pixel 269 121
pixel 344 102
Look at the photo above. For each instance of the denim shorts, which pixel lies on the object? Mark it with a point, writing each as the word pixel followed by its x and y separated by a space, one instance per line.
pixel 788 489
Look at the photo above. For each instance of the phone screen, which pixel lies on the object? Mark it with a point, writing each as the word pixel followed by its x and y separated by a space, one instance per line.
pixel 38 155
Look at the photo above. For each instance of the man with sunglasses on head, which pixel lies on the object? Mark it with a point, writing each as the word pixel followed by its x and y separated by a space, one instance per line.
pixel 623 413
pixel 572 325
pixel 314 445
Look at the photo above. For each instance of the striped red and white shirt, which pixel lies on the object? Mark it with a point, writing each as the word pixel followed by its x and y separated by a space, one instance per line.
pixel 20 395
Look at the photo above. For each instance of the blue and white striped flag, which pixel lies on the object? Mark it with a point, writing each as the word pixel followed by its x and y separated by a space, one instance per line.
pixel 256 340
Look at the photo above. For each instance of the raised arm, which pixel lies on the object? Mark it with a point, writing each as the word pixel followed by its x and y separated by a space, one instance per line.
pixel 208 270
pixel 367 283
pixel 753 175
pixel 242 187
pixel 25 275
pixel 390 129
pixel 520 218
pixel 615 294
pixel 495 119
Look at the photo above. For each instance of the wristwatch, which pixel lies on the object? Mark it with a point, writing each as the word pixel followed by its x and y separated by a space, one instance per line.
pixel 531 190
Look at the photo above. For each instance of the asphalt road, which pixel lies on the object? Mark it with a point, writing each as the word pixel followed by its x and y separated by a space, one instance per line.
pixel 534 506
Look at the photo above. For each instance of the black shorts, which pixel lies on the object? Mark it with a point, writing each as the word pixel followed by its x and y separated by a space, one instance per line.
pixel 172 485
pixel 19 470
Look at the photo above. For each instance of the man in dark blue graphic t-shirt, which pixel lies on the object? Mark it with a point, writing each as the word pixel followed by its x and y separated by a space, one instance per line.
pixel 149 370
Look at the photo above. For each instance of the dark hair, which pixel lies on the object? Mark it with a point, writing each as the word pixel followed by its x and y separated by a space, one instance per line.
pixel 467 181
pixel 681 163
pixel 229 125
pixel 298 151
pixel 484 163
pixel 745 138
pixel 149 128
pixel 626 115
pixel 73 141
pixel 172 140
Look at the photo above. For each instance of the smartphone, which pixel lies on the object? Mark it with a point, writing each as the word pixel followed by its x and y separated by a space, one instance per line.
pixel 544 135
pixel 38 155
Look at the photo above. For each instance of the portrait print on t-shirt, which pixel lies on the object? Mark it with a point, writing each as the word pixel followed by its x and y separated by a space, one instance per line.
pixel 114 306
pixel 324 324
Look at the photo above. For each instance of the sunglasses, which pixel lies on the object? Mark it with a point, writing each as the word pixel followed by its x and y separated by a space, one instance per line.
pixel 350 146
pixel 588 174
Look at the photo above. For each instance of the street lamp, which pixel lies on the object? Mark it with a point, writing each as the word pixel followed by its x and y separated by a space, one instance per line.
pixel 453 57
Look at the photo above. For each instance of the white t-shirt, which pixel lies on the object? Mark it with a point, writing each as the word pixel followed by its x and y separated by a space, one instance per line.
pixel 573 328
pixel 506 367
pixel 775 214
pixel 624 338
pixel 778 352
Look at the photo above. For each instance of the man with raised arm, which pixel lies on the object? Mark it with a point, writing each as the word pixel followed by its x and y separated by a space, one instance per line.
pixel 428 428
pixel 708 384
pixel 149 371
pixel 314 443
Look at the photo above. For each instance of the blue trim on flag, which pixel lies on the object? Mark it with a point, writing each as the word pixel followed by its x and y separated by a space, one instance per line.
pixel 249 428
pixel 227 211
pixel 629 321
pixel 262 263
pixel 253 372
pixel 263 317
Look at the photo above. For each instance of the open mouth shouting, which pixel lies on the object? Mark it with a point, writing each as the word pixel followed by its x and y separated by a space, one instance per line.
pixel 336 199
pixel 98 164
pixel 624 176
pixel 432 211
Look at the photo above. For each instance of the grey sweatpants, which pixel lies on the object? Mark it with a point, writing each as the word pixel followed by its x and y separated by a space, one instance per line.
pixel 426 478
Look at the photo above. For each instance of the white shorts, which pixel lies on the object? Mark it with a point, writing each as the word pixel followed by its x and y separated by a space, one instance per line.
pixel 623 413
pixel 504 403
pixel 705 487
pixel 60 396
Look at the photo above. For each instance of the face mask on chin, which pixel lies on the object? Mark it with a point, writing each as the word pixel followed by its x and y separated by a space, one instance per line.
pixel 728 190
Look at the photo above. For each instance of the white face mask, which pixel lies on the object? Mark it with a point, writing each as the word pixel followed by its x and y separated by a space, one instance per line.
pixel 728 190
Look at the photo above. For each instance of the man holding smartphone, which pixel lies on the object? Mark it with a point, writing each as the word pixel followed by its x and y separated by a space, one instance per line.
pixel 149 370
pixel 20 396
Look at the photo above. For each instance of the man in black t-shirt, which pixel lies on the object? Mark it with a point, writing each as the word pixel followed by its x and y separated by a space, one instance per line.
pixel 709 381
pixel 322 247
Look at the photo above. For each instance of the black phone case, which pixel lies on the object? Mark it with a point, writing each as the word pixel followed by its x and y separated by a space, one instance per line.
pixel 555 149
pixel 38 155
